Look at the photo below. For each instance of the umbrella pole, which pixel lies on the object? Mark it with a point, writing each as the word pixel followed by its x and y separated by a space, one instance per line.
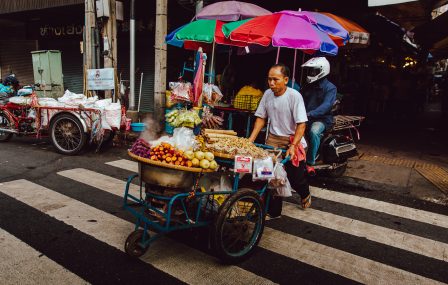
pixel 301 71
pixel 212 62
pixel 278 55
pixel 294 68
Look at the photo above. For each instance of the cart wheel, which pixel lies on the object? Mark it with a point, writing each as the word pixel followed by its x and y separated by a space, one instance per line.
pixel 132 245
pixel 5 124
pixel 238 226
pixel 67 134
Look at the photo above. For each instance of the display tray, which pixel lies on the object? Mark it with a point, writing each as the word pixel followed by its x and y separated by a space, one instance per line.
pixel 223 155
pixel 170 166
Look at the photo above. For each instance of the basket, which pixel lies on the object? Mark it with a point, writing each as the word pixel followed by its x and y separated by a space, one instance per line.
pixel 138 127
pixel 246 102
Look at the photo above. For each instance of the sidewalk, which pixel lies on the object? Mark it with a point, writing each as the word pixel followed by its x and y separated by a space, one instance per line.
pixel 404 157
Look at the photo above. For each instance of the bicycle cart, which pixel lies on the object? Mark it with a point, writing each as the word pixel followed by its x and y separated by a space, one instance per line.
pixel 173 200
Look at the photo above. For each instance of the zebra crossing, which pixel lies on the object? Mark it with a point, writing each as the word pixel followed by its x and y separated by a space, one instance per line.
pixel 72 230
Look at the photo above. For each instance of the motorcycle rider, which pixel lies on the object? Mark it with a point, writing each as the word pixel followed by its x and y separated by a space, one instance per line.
pixel 319 95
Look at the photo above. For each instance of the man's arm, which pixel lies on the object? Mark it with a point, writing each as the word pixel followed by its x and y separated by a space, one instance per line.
pixel 300 130
pixel 259 124
pixel 325 107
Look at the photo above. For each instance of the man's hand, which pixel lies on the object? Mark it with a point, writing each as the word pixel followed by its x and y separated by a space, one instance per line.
pixel 291 152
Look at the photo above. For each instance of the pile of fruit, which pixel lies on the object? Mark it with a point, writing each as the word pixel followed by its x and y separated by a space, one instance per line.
pixel 141 148
pixel 183 118
pixel 166 153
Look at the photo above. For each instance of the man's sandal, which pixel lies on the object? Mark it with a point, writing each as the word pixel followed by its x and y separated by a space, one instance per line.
pixel 306 203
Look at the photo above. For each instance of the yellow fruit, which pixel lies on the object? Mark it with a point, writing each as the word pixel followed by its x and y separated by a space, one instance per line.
pixel 195 162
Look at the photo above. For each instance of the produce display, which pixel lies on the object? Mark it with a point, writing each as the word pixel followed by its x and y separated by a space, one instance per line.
pixel 183 118
pixel 233 145
pixel 166 153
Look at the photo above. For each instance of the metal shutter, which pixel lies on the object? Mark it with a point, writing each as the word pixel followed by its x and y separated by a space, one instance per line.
pixel 144 62
pixel 15 57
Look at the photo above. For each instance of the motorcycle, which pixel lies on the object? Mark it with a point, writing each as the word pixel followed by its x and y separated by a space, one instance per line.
pixel 337 145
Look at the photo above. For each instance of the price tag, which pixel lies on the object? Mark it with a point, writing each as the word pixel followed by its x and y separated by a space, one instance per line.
pixel 243 164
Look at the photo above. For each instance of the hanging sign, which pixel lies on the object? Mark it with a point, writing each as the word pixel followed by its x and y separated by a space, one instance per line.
pixel 243 164
pixel 100 79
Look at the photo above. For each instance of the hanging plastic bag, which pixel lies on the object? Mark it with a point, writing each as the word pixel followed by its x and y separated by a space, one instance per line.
pixel 184 139
pixel 181 91
pixel 263 169
pixel 280 182
pixel 211 94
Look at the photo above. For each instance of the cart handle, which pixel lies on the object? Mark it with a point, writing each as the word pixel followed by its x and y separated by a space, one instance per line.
pixel 285 160
pixel 263 146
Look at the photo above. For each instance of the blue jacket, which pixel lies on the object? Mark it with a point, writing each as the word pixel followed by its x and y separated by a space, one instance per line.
pixel 319 99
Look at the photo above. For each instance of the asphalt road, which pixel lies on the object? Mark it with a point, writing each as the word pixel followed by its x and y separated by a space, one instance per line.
pixel 62 222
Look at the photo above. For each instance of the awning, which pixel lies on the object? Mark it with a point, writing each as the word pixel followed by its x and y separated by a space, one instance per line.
pixel 432 32
pixel 13 6
pixel 387 2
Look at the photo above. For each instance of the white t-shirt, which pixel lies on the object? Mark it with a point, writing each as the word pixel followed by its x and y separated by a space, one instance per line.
pixel 284 112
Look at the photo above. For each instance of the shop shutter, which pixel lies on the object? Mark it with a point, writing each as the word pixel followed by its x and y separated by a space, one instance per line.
pixel 15 57
pixel 144 62
pixel 72 62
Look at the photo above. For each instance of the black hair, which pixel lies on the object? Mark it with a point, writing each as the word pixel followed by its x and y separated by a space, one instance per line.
pixel 283 69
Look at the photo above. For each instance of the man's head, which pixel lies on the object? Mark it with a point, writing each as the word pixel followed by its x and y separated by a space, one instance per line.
pixel 278 77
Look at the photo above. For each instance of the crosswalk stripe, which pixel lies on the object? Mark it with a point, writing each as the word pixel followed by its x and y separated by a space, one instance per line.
pixel 185 263
pixel 125 164
pixel 383 207
pixel 409 242
pixel 289 249
pixel 352 200
pixel 16 255
pixel 351 266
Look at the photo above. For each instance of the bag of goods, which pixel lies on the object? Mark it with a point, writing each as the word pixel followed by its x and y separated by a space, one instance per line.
pixel 20 100
pixel 113 114
pixel 211 94
pixel 211 121
pixel 24 91
pixel 181 91
pixel 49 102
pixel 71 99
pixel 183 118
pixel 263 169
pixel 280 182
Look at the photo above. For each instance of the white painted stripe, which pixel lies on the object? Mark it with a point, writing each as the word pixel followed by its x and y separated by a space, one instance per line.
pixel 186 264
pixel 125 164
pixel 348 263
pixel 101 181
pixel 383 207
pixel 353 200
pixel 22 264
pixel 409 242
pixel 351 266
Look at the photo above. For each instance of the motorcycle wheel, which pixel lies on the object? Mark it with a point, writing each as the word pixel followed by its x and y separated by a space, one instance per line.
pixel 5 124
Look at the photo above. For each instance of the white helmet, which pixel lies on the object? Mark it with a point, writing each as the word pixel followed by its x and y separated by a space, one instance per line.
pixel 318 67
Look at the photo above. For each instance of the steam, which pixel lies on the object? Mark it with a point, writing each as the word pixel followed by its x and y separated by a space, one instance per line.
pixel 152 131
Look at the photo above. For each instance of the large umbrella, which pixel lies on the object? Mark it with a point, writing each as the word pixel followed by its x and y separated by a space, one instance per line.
pixel 324 23
pixel 199 33
pixel 229 11
pixel 358 35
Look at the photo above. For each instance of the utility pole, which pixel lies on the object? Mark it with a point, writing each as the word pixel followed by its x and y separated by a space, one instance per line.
pixel 199 5
pixel 89 45
pixel 110 42
pixel 160 59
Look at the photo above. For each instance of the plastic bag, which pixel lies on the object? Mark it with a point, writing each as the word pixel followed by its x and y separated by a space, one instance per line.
pixel 72 99
pixel 211 94
pixel 184 139
pixel 182 91
pixel 280 182
pixel 113 114
pixel 263 169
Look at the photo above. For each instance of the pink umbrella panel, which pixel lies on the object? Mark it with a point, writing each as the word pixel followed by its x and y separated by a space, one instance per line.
pixel 229 11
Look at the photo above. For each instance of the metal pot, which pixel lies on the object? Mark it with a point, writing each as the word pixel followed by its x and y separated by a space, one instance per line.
pixel 166 177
